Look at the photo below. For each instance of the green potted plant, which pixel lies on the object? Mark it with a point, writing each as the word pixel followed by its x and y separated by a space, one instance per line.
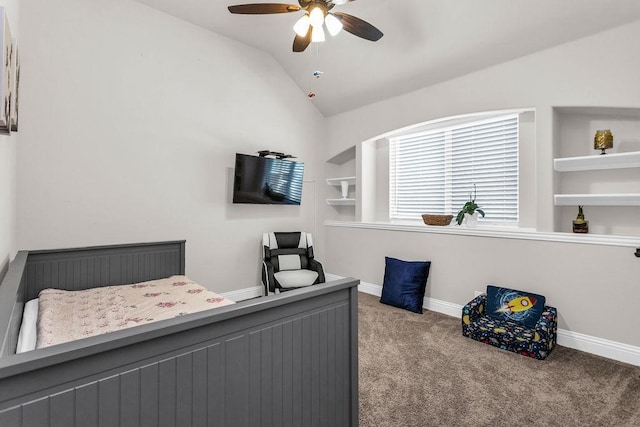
pixel 469 208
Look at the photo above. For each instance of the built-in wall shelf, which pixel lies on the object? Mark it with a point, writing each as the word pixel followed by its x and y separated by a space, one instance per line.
pixel 606 161
pixel 341 202
pixel 338 181
pixel 607 185
pixel 345 200
pixel 342 186
pixel 627 199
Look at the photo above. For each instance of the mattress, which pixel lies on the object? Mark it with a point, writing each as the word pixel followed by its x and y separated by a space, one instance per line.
pixel 65 316
pixel 28 332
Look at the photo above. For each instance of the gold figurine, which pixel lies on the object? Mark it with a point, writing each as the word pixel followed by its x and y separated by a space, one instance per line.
pixel 579 224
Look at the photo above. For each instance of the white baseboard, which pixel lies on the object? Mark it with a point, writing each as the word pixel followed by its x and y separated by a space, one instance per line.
pixel 594 345
pixel 328 277
pixel 258 291
pixel 598 346
pixel 243 294
pixel 431 304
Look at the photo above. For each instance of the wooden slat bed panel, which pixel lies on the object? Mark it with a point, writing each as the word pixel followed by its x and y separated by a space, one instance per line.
pixel 296 368
pixel 236 381
pixel 200 391
pixel 184 389
pixel 36 413
pixel 216 395
pixel 12 299
pixel 108 404
pixel 351 356
pixel 61 408
pixel 264 375
pixel 166 405
pixel 130 399
pixel 11 417
pixel 149 395
pixel 287 374
pixel 331 359
pixel 289 360
pixel 86 398
pixel 277 371
pixel 171 391
pixel 256 393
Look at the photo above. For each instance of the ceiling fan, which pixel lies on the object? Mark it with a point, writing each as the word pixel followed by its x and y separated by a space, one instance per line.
pixel 317 14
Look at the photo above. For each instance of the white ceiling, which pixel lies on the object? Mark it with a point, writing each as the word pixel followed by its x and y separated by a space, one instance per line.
pixel 425 41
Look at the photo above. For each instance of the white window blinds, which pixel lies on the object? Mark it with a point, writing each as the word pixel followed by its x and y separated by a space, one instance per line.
pixel 434 172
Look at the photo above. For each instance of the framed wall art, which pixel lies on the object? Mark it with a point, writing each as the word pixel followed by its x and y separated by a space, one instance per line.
pixel 6 74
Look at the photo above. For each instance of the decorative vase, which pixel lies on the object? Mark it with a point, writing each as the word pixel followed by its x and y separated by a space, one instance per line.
pixel 603 140
pixel 345 189
pixel 580 225
pixel 471 220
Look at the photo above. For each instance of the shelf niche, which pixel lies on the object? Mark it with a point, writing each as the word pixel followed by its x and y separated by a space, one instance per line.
pixel 606 185
pixel 339 168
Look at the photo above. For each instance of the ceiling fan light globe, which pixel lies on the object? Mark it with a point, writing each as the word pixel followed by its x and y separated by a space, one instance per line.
pixel 317 34
pixel 334 26
pixel 302 26
pixel 316 17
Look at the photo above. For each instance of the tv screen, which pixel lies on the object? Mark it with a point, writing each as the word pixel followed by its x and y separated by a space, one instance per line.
pixel 266 180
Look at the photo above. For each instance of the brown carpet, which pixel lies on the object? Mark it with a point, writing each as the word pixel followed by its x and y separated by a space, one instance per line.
pixel 418 370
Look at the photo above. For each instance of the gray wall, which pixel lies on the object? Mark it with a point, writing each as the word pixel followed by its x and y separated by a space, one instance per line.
pixel 8 160
pixel 132 120
pixel 586 283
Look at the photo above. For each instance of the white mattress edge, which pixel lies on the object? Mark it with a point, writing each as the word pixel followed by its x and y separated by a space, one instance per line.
pixel 28 329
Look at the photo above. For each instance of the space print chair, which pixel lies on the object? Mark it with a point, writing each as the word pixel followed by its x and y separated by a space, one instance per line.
pixel 288 263
pixel 512 320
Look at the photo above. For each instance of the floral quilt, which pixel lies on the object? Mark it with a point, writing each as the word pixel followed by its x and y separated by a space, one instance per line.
pixel 69 315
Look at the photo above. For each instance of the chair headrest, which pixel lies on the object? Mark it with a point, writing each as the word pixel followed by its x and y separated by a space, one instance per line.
pixel 287 240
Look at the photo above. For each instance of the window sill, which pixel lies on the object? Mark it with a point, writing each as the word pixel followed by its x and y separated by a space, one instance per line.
pixel 495 232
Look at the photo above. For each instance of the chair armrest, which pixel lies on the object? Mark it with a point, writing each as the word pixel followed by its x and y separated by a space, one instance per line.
pixel 268 278
pixel 317 267
pixel 475 308
pixel 547 325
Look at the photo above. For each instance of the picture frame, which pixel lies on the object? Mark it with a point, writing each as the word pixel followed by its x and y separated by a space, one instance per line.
pixel 5 73
pixel 14 91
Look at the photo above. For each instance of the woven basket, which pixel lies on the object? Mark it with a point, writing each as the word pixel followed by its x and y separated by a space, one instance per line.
pixel 437 219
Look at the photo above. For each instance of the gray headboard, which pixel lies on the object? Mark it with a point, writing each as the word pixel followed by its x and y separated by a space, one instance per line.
pixel 92 267
pixel 77 269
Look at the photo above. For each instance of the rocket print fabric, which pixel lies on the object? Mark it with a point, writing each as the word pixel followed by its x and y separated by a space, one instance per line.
pixel 515 306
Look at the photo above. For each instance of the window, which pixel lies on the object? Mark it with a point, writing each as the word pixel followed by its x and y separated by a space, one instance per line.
pixel 435 171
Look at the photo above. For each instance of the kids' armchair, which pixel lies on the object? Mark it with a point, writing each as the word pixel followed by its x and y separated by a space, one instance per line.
pixel 512 320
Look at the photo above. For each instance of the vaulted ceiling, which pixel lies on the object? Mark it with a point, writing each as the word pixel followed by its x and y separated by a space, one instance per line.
pixel 425 41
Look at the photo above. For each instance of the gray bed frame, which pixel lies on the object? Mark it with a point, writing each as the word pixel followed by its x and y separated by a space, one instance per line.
pixel 284 360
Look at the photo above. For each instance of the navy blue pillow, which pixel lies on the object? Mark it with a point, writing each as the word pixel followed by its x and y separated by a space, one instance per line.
pixel 404 283
pixel 517 306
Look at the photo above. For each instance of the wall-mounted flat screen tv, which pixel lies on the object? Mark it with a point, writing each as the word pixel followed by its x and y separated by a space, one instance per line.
pixel 267 180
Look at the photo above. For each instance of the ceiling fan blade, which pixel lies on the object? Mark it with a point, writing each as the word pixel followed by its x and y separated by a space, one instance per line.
pixel 358 27
pixel 263 8
pixel 301 43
